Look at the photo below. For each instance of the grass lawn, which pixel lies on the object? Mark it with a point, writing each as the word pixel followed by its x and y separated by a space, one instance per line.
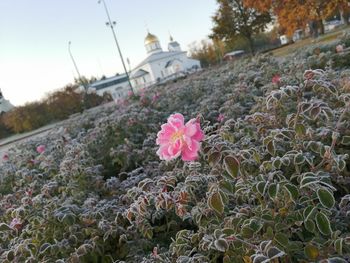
pixel 328 37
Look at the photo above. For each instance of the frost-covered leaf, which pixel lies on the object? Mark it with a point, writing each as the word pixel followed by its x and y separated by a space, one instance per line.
pixel 338 245
pixel 326 198
pixel 231 165
pixel 323 224
pixel 221 244
pixel 345 140
pixel 273 190
pixel 4 227
pixel 214 158
pixel 260 259
pixel 292 191
pixel 274 252
pixel 216 203
pixel 282 239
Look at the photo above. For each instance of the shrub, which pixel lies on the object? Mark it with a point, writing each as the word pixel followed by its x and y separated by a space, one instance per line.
pixel 271 183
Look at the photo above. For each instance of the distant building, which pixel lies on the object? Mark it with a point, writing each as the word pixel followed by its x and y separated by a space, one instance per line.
pixel 5 105
pixel 234 55
pixel 284 40
pixel 118 86
pixel 158 66
pixel 161 65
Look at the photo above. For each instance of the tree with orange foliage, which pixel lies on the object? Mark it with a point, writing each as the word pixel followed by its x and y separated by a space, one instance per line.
pixel 294 14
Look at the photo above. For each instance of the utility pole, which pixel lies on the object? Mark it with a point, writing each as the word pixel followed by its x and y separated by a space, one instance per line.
pixel 111 25
pixel 79 76
pixel 76 67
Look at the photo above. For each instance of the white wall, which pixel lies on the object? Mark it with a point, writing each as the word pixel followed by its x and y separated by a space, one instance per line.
pixel 117 91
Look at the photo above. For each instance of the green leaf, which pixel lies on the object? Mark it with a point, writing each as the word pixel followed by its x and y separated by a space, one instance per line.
pixel 309 213
pixel 267 140
pixel 44 248
pixel 300 129
pixel 273 190
pixel 148 233
pixel 69 219
pixel 10 255
pixel 338 245
pixel 326 198
pixel 299 159
pixel 282 239
pixel 277 163
pixel 256 157
pixel 226 186
pixel 271 148
pixel 214 158
pixel 215 202
pixel 345 140
pixel 231 166
pixel 323 224
pixel 315 146
pixel 314 112
pixel 274 252
pixel 255 225
pixel 341 165
pixel 221 245
pixel 261 186
pixel 311 252
pixel 309 225
pixel 4 227
pixel 292 190
pixel 260 259
pixel 247 232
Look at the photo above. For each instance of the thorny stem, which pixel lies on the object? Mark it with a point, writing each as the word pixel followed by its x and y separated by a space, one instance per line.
pixel 233 238
pixel 334 138
pixel 299 96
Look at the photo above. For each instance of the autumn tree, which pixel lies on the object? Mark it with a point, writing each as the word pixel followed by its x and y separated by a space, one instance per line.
pixel 343 6
pixel 294 14
pixel 233 19
pixel 56 106
pixel 208 52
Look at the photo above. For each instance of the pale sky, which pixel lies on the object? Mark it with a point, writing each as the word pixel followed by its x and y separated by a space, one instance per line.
pixel 34 36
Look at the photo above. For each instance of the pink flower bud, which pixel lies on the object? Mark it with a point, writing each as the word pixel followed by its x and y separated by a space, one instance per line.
pixel 41 148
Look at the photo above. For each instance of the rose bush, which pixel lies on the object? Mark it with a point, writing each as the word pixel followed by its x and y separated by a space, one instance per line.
pixel 270 182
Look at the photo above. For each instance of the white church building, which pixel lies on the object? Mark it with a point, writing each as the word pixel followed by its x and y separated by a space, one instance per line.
pixel 160 65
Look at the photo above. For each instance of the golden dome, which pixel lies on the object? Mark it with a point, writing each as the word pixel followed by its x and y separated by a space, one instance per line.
pixel 150 39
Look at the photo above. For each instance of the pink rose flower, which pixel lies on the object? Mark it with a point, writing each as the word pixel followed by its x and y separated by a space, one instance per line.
pixel 176 138
pixel 339 48
pixel 16 224
pixel 5 157
pixel 276 79
pixel 220 118
pixel 130 94
pixel 41 148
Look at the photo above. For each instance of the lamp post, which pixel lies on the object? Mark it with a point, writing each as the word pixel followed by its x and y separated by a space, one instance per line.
pixel 79 76
pixel 111 25
pixel 75 66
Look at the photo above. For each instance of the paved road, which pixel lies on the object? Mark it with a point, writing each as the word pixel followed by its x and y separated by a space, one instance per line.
pixel 6 144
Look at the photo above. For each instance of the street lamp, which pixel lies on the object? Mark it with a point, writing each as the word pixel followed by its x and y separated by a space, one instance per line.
pixel 79 76
pixel 75 66
pixel 112 24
